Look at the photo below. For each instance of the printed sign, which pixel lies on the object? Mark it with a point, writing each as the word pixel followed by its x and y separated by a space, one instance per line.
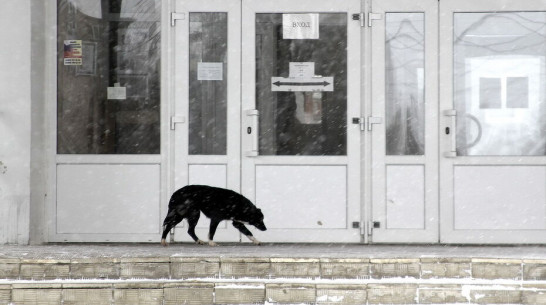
pixel 301 69
pixel 302 84
pixel 72 52
pixel 209 71
pixel 300 26
pixel 116 92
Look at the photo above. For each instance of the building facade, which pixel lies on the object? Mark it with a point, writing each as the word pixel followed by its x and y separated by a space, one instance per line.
pixel 359 121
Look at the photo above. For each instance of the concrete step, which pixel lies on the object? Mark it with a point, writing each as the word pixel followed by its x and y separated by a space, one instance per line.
pixel 179 279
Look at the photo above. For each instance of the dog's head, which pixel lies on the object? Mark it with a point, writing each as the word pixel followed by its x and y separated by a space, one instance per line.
pixel 258 220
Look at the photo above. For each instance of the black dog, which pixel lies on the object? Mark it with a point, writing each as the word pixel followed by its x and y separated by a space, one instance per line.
pixel 217 204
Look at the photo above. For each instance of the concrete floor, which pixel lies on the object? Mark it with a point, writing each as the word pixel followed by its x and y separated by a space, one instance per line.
pixel 71 251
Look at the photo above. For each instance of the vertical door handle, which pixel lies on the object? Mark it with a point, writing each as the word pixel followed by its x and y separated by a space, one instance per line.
pixel 451 131
pixel 253 116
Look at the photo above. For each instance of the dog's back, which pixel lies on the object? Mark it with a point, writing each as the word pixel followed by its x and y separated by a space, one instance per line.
pixel 214 202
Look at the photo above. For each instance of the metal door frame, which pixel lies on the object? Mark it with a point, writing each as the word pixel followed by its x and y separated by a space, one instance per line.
pixel 448 158
pixel 376 140
pixel 250 8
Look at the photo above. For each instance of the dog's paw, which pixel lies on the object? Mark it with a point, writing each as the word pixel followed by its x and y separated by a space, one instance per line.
pixel 164 242
pixel 212 244
pixel 200 242
pixel 254 240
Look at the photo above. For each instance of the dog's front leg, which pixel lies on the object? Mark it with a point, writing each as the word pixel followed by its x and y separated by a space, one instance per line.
pixel 212 230
pixel 241 227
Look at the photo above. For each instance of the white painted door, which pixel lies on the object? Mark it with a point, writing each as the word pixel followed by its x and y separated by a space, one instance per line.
pixel 300 89
pixel 493 139
pixel 205 120
pixel 403 121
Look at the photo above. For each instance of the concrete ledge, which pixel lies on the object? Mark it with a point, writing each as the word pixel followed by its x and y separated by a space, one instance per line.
pixel 341 294
pixel 217 291
pixel 345 268
pixel 239 293
pixel 387 268
pixel 245 267
pixel 188 293
pixel 265 268
pixel 290 293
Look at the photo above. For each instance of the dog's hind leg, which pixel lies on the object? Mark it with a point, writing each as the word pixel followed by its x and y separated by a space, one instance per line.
pixel 241 227
pixel 172 219
pixel 193 218
pixel 212 229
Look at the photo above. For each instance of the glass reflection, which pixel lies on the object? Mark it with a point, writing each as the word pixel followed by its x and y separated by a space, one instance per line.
pixel 405 99
pixel 302 123
pixel 208 84
pixel 104 44
pixel 499 83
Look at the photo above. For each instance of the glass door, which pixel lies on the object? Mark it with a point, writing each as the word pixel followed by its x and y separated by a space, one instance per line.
pixel 205 120
pixel 493 140
pixel 300 89
pixel 403 121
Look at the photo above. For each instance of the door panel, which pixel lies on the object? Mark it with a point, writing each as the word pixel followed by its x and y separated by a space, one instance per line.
pixel 206 115
pixel 404 156
pixel 300 87
pixel 493 79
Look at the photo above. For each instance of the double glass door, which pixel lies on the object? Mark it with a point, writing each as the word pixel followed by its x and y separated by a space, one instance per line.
pixel 423 122
pixel 460 87
pixel 263 106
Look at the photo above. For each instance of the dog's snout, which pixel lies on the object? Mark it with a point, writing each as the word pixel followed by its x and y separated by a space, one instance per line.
pixel 261 227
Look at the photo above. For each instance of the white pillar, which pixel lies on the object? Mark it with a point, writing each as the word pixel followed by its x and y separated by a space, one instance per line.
pixel 15 120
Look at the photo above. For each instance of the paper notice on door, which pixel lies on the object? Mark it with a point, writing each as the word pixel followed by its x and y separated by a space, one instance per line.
pixel 116 92
pixel 300 26
pixel 209 71
pixel 72 53
pixel 301 69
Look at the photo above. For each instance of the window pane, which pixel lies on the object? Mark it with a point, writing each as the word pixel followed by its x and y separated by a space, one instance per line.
pixel 294 119
pixel 490 93
pixel 102 45
pixel 499 83
pixel 405 92
pixel 208 84
pixel 517 92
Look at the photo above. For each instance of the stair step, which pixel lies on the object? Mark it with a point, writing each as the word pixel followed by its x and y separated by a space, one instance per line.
pixel 277 280
pixel 394 291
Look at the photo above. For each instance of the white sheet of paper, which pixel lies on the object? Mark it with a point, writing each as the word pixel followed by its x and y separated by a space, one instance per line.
pixel 117 93
pixel 301 69
pixel 300 26
pixel 209 71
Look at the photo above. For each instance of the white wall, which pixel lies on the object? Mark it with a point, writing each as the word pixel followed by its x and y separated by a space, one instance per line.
pixel 15 120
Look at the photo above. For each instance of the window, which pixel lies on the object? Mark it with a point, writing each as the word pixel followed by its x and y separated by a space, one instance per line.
pixel 108 83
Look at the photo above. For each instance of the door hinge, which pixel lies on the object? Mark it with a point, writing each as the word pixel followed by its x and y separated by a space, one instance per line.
pixel 177 16
pixel 176 120
pixel 373 120
pixel 359 16
pixel 374 16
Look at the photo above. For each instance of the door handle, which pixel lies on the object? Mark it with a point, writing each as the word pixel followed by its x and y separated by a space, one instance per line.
pixel 253 116
pixel 177 120
pixel 451 131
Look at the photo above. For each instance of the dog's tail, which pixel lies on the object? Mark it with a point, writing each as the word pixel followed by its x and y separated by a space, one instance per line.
pixel 174 216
